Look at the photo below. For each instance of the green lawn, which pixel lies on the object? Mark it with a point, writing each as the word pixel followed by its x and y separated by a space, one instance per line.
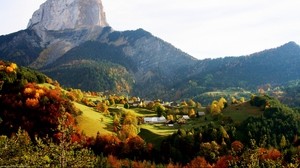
pixel 46 85
pixel 151 137
pixel 144 112
pixel 241 112
pixel 159 129
pixel 94 98
pixel 91 122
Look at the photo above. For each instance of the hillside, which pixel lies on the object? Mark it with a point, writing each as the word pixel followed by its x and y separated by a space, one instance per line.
pixel 25 104
pixel 31 108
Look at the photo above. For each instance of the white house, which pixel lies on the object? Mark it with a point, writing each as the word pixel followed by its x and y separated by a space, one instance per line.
pixel 201 113
pixel 186 117
pixel 154 120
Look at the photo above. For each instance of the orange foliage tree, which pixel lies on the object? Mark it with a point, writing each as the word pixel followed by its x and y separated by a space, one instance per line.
pixel 271 154
pixel 223 162
pixel 237 146
pixel 35 109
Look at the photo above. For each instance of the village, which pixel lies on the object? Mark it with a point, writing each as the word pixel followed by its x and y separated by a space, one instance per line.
pixel 168 113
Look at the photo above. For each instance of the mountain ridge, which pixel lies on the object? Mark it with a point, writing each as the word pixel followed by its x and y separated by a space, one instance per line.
pixel 134 61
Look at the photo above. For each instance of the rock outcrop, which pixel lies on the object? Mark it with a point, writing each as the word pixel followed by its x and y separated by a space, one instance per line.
pixel 64 24
pixel 68 14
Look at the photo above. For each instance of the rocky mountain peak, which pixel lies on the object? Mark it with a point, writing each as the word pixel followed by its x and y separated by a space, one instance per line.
pixel 68 14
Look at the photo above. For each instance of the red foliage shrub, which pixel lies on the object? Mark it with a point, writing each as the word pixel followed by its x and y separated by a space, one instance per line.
pixel 136 143
pixel 272 154
pixel 223 162
pixel 237 146
pixel 114 162
pixel 108 144
pixel 32 102
pixel 199 162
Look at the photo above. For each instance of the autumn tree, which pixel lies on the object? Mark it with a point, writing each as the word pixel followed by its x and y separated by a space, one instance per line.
pixel 183 103
pixel 101 106
pixel 222 103
pixel 214 108
pixel 192 113
pixel 159 109
pixel 225 161
pixel 237 146
pixel 223 132
pixel 283 142
pixel 191 103
pixel 199 162
pixel 129 125
pixel 198 105
pixel 217 106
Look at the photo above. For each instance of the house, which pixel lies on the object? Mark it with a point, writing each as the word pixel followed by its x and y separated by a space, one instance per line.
pixel 201 113
pixel 170 123
pixel 155 120
pixel 186 117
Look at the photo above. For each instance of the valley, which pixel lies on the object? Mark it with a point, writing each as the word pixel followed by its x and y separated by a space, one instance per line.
pixel 130 127
pixel 74 92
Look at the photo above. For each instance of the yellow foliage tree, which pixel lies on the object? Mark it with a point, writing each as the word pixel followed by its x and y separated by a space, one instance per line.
pixel 191 103
pixel 170 117
pixel 192 113
pixel 221 103
pixel 183 103
pixel 214 108
pixel 224 132
pixel 218 106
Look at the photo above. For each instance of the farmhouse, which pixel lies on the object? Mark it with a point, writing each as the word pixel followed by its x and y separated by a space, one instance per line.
pixel 201 113
pixel 155 120
pixel 186 117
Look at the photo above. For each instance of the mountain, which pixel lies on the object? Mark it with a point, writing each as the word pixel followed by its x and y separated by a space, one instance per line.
pixel 22 47
pixel 275 66
pixel 75 45
pixel 151 62
pixel 72 42
pixel 70 14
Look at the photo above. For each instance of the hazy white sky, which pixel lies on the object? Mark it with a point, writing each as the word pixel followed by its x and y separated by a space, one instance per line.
pixel 202 28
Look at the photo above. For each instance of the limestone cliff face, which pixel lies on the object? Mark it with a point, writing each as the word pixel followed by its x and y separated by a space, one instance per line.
pixel 68 14
pixel 64 24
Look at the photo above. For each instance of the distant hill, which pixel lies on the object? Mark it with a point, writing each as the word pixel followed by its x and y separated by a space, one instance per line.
pixel 275 67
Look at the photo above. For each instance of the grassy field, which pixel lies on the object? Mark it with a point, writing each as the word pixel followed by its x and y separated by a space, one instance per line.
pixel 91 122
pixel 241 112
pixel 151 137
pixel 143 112
pixel 50 86
pixel 94 98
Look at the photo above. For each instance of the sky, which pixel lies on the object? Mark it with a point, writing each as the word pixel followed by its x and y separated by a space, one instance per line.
pixel 201 28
